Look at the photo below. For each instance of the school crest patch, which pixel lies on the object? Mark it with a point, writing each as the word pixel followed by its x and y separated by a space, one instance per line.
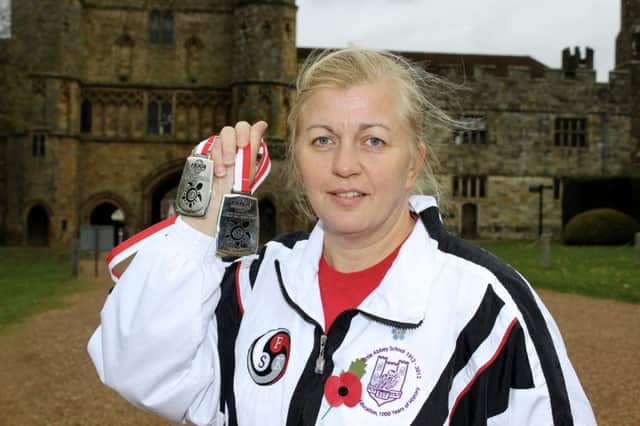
pixel 393 383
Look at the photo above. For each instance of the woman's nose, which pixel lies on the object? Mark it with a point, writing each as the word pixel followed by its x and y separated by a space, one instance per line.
pixel 346 160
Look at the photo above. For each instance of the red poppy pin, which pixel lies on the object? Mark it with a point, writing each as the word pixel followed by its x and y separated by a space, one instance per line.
pixel 346 388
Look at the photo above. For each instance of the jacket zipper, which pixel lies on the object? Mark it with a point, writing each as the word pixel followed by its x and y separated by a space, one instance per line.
pixel 317 368
pixel 320 360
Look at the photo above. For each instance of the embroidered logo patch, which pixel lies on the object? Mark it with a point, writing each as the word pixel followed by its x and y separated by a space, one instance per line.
pixel 268 356
pixel 388 380
pixel 393 383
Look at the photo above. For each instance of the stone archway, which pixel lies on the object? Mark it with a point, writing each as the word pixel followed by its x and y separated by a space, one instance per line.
pixel 159 192
pixel 38 226
pixel 469 220
pixel 163 197
pixel 107 213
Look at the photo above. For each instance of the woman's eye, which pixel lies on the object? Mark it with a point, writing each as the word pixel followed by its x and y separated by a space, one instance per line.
pixel 321 141
pixel 374 142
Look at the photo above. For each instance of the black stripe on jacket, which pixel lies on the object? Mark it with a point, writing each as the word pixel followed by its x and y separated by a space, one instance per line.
pixel 526 303
pixel 287 240
pixel 228 317
pixel 477 330
pixel 489 393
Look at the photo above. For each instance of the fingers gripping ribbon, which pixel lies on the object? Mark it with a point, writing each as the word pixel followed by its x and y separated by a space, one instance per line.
pixel 241 181
pixel 241 184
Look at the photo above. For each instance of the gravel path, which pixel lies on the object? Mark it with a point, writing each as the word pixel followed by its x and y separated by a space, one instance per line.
pixel 46 377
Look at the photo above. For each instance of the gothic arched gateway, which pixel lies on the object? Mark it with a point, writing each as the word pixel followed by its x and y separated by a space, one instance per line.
pixel 159 193
pixel 108 213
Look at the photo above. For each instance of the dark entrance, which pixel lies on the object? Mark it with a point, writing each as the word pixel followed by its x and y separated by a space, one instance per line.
pixel 469 220
pixel 109 214
pixel 163 198
pixel 38 227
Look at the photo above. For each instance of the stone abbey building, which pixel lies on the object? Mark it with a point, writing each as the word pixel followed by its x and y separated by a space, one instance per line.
pixel 101 101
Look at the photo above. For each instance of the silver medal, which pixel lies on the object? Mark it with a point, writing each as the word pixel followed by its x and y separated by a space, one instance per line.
pixel 238 225
pixel 194 190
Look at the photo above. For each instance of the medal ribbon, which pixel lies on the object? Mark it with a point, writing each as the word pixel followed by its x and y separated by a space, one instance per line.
pixel 241 183
pixel 242 172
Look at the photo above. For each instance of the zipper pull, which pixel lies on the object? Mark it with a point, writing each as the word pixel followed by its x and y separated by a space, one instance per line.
pixel 320 360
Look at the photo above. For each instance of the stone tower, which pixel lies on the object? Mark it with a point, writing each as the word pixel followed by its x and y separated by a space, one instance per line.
pixel 45 51
pixel 262 82
pixel 628 39
pixel 105 98
pixel 265 64
pixel 628 58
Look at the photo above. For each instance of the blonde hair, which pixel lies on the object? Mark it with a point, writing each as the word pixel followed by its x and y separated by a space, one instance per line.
pixel 419 93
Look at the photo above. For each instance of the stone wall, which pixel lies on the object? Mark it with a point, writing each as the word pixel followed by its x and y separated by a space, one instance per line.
pixel 117 50
pixel 230 60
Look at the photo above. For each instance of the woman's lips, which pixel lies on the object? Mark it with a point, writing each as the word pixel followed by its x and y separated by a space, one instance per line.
pixel 347 198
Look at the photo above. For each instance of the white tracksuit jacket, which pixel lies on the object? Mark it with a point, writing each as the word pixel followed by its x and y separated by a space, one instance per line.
pixel 452 335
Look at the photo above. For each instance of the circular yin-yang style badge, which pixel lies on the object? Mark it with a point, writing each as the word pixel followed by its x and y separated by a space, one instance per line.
pixel 268 356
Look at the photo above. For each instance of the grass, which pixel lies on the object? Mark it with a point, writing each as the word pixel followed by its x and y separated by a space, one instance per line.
pixel 33 280
pixel 598 271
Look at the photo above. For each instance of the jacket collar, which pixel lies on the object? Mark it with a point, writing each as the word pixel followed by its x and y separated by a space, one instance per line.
pixel 401 298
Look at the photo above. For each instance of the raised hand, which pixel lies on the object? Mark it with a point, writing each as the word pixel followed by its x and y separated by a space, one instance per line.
pixel 223 154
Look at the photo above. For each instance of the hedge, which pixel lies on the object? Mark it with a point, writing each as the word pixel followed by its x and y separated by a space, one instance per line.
pixel 601 227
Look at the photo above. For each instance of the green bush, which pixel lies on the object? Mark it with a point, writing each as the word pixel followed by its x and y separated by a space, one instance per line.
pixel 600 227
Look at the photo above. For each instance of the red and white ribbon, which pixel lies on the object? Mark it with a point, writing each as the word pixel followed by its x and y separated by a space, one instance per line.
pixel 242 172
pixel 241 183
pixel 132 245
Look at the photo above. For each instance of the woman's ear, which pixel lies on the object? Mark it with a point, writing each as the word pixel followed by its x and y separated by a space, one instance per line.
pixel 417 161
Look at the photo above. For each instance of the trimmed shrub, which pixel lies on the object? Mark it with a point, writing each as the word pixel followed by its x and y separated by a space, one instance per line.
pixel 601 227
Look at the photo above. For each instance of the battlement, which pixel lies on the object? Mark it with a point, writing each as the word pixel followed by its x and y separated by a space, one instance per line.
pixel 572 62
pixel 460 68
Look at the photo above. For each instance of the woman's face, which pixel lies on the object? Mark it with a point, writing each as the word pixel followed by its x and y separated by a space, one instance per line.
pixel 355 158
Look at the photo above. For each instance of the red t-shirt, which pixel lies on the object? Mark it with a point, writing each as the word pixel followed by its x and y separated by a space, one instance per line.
pixel 342 291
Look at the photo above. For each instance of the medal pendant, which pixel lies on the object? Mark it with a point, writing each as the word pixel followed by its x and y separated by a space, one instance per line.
pixel 238 225
pixel 194 189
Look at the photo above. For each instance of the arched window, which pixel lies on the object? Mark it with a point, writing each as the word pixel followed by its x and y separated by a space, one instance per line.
pixel 165 118
pixel 153 122
pixel 85 116
pixel 635 44
pixel 38 140
pixel 34 145
pixel 154 27
pixel 167 28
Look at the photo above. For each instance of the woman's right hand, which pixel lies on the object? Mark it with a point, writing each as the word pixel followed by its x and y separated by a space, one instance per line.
pixel 223 154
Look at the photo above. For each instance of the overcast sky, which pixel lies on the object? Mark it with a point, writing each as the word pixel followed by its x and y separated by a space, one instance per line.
pixel 538 28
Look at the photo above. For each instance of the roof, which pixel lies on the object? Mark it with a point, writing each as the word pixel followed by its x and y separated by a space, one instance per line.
pixel 435 62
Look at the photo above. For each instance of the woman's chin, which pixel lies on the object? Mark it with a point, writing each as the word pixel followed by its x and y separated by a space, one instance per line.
pixel 345 228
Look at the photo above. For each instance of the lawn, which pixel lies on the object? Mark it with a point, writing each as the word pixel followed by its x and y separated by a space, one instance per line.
pixel 32 280
pixel 598 271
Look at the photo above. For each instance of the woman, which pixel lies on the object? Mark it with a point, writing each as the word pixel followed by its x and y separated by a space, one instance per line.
pixel 376 317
